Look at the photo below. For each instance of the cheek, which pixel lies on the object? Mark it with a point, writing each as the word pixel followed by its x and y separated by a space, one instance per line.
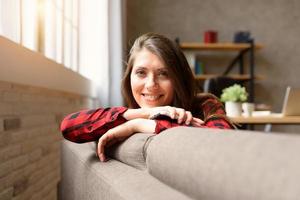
pixel 170 90
pixel 135 84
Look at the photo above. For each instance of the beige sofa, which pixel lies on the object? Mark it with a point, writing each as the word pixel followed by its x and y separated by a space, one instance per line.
pixel 186 163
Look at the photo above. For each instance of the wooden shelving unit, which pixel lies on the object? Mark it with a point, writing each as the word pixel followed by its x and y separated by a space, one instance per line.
pixel 226 46
pixel 193 48
pixel 239 77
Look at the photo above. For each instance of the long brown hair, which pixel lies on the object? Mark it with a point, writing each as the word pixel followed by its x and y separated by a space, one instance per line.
pixel 179 71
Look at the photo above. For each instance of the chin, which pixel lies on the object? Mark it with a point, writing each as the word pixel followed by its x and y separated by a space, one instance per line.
pixel 151 105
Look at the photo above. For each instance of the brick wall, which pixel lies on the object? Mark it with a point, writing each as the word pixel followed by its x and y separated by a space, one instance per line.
pixel 30 139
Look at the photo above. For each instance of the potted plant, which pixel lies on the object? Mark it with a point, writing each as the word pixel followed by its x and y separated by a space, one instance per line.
pixel 233 97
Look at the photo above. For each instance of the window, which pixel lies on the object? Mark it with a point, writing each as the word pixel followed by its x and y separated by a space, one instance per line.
pixel 71 32
pixel 10 25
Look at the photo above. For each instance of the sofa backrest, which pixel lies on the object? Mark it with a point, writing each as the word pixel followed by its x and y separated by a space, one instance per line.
pixel 132 151
pixel 226 164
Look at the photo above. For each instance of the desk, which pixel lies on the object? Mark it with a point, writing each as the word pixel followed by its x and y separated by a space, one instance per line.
pixel 267 120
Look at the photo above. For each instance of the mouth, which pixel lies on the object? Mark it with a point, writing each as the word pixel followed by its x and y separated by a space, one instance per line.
pixel 150 97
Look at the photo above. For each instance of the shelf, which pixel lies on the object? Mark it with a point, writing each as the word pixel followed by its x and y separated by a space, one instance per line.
pixel 192 49
pixel 226 46
pixel 243 77
pixel 275 118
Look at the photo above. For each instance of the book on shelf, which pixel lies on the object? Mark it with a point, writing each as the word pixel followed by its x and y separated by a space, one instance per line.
pixel 196 65
pixel 199 67
pixel 191 59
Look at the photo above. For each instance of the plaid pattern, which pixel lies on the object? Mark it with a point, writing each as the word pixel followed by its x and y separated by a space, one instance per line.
pixel 89 125
pixel 213 113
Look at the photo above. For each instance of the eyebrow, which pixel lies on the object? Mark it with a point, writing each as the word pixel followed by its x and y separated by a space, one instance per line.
pixel 139 67
pixel 145 68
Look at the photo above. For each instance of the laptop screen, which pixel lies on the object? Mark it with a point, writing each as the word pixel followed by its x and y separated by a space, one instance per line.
pixel 291 104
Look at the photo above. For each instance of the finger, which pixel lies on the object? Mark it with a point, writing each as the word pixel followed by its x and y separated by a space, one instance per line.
pixel 172 111
pixel 181 115
pixel 101 145
pixel 100 150
pixel 99 154
pixel 198 120
pixel 189 117
pixel 195 124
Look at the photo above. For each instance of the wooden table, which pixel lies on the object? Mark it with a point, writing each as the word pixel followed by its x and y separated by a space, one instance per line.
pixel 268 120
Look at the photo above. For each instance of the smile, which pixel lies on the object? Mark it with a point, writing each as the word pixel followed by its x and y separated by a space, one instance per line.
pixel 149 97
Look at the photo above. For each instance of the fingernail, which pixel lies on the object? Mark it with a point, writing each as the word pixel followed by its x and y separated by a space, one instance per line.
pixel 101 157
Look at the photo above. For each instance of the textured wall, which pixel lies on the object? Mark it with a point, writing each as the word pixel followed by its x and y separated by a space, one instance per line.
pixel 275 24
pixel 30 139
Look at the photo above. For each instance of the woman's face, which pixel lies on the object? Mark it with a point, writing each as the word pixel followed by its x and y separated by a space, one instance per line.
pixel 150 81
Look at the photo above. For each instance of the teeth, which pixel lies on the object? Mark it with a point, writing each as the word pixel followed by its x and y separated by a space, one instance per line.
pixel 151 97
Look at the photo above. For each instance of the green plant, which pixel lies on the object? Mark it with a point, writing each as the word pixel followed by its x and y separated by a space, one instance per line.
pixel 234 93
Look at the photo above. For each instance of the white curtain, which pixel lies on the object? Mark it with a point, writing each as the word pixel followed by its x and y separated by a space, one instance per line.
pixel 116 49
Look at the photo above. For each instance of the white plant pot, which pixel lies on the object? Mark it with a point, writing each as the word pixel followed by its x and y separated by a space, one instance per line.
pixel 233 109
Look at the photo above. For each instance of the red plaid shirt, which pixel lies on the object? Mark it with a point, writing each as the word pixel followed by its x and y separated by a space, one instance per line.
pixel 89 125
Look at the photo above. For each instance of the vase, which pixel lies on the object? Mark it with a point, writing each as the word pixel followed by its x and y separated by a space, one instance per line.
pixel 233 109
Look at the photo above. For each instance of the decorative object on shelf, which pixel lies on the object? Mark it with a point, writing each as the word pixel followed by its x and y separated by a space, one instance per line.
pixel 210 36
pixel 191 59
pixel 242 37
pixel 248 109
pixel 199 67
pixel 177 40
pixel 233 97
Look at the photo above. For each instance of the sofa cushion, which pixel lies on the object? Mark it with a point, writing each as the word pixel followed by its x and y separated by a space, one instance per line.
pixel 85 177
pixel 132 150
pixel 227 164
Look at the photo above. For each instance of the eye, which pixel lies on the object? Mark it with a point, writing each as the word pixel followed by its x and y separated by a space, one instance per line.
pixel 140 73
pixel 163 74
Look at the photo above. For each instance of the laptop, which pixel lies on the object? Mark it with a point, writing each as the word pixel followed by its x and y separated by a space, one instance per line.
pixel 291 104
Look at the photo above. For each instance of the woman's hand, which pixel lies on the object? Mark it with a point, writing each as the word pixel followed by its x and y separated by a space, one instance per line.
pixel 196 122
pixel 180 114
pixel 122 132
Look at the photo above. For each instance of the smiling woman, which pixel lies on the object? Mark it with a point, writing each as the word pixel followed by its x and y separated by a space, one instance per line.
pixel 158 86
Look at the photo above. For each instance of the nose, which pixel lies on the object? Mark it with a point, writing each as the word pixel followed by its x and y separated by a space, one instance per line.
pixel 151 82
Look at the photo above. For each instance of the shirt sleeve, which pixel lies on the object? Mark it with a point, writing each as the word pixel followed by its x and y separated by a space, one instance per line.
pixel 89 125
pixel 215 115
